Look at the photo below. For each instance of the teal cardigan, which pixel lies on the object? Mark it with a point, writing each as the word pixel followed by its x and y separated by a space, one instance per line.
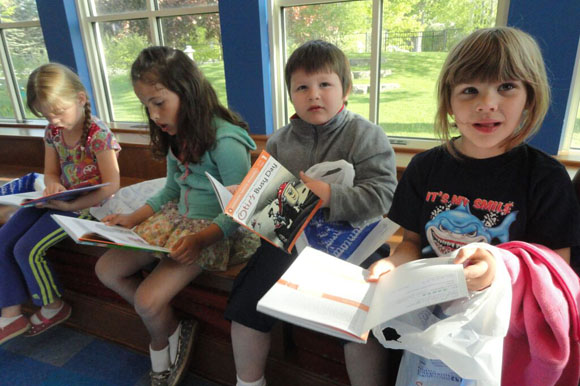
pixel 229 161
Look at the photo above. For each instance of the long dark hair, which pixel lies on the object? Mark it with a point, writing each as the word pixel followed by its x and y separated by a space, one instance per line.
pixel 198 103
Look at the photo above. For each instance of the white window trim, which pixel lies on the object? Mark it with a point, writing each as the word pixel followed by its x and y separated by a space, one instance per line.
pixel 93 46
pixel 9 78
pixel 277 63
pixel 571 110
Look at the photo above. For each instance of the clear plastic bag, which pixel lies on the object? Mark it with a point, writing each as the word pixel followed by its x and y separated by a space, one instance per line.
pixel 465 334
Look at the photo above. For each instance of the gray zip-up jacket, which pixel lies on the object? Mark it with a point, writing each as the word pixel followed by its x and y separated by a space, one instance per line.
pixel 350 137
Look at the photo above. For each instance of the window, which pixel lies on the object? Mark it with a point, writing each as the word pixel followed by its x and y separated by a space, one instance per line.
pixel 116 31
pixel 396 49
pixel 22 49
pixel 572 120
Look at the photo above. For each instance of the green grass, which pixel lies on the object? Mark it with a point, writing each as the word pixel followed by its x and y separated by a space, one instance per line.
pixel 127 107
pixel 409 110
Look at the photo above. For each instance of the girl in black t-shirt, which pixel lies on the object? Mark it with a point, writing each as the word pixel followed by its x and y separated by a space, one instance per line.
pixel 486 184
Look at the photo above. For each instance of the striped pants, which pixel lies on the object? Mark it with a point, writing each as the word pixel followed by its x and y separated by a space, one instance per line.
pixel 24 272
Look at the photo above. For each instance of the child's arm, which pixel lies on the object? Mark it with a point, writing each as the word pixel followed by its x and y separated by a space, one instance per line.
pixel 565 253
pixel 109 169
pixel 408 250
pixel 52 171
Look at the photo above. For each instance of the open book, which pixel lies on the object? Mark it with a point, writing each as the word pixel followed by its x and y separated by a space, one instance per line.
pixel 32 198
pixel 99 234
pixel 329 295
pixel 270 201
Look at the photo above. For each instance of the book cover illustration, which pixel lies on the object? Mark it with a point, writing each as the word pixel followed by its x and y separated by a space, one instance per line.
pixel 273 203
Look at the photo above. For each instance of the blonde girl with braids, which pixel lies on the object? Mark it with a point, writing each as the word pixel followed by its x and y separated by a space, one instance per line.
pixel 79 151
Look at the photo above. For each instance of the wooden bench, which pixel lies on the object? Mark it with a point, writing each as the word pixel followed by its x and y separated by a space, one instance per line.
pixel 297 357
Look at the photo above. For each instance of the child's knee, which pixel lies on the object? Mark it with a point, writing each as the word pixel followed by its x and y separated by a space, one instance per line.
pixel 146 303
pixel 105 272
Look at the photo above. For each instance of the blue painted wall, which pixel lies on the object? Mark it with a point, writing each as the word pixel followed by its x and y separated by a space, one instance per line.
pixel 62 36
pixel 244 27
pixel 556 27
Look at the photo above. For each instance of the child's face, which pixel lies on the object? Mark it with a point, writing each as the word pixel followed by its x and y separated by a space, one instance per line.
pixel 162 104
pixel 316 97
pixel 67 115
pixel 486 113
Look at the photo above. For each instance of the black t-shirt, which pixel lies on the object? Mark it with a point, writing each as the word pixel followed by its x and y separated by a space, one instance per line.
pixel 523 195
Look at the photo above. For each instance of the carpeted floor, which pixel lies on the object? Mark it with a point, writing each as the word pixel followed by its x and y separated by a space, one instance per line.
pixel 63 356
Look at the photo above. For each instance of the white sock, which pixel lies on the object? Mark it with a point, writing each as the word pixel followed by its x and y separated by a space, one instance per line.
pixel 48 313
pixel 173 343
pixel 159 359
pixel 5 321
pixel 259 382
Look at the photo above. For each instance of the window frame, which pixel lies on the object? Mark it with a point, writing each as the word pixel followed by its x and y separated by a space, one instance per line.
pixel 572 107
pixel 90 34
pixel 277 62
pixel 14 95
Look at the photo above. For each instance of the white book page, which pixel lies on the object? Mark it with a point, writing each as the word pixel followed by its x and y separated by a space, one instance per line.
pixel 324 290
pixel 223 194
pixel 80 228
pixel 414 285
pixel 17 199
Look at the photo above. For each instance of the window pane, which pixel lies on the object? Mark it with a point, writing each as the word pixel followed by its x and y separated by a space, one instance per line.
pixel 576 134
pixel 105 7
pixel 122 42
pixel 200 37
pixel 415 42
pixel 18 10
pixel 184 3
pixel 6 109
pixel 348 26
pixel 27 50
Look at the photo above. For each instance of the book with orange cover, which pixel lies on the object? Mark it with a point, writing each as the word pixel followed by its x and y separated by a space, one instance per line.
pixel 270 201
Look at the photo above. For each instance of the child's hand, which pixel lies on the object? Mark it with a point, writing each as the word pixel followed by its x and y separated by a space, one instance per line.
pixel 124 220
pixel 187 249
pixel 232 188
pixel 479 268
pixel 379 268
pixel 52 188
pixel 320 188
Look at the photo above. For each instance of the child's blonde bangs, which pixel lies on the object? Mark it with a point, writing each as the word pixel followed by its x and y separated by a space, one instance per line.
pixel 52 86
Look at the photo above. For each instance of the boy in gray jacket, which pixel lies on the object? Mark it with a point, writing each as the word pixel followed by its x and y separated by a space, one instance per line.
pixel 319 80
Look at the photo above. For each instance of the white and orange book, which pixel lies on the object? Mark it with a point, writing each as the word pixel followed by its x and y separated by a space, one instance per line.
pixel 270 201
pixel 329 295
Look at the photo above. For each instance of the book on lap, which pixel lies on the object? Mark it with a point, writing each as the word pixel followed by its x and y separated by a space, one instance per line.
pixel 97 233
pixel 35 197
pixel 329 295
